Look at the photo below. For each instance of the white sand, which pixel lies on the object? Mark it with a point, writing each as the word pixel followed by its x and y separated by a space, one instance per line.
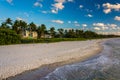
pixel 15 59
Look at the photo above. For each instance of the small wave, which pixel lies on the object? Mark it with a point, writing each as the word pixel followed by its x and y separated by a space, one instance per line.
pixel 103 67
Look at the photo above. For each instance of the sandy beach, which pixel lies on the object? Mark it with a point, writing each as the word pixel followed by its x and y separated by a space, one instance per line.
pixel 15 59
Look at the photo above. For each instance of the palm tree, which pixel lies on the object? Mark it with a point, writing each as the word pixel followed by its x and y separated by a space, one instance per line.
pixel 81 33
pixel 71 34
pixel 15 26
pixel 19 26
pixel 61 32
pixel 23 25
pixel 52 32
pixel 41 31
pixel 8 22
pixel 90 34
pixel 3 25
pixel 32 26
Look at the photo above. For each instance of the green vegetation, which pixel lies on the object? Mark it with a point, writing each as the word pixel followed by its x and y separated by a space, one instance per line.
pixel 11 32
pixel 49 40
pixel 8 36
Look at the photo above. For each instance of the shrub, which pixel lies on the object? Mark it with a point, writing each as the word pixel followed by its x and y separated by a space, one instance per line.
pixel 50 40
pixel 8 36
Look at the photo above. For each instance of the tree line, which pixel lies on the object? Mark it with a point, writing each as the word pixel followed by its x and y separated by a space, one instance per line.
pixel 19 26
pixel 11 32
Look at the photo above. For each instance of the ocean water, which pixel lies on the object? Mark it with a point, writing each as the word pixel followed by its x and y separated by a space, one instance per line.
pixel 105 66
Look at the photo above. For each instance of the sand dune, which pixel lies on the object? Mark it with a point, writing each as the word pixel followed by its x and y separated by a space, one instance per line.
pixel 15 59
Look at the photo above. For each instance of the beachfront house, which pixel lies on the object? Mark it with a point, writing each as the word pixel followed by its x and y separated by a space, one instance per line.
pixel 33 34
pixel 29 34
pixel 47 36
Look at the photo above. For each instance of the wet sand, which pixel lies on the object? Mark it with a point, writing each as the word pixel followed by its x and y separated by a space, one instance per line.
pixel 103 66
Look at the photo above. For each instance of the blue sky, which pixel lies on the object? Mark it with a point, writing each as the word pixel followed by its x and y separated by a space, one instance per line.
pixel 98 15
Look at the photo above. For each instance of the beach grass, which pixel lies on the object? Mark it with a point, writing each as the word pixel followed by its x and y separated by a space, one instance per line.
pixel 50 40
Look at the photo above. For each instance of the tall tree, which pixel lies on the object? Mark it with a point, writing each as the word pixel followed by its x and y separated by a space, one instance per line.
pixel 52 32
pixel 3 25
pixel 61 32
pixel 23 25
pixel 77 32
pixel 90 34
pixel 41 31
pixel 32 26
pixel 8 22
pixel 81 33
pixel 15 26
pixel 19 26
pixel 70 34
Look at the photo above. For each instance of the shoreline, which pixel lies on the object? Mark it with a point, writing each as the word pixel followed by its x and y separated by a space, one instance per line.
pixel 58 62
pixel 104 66
pixel 49 68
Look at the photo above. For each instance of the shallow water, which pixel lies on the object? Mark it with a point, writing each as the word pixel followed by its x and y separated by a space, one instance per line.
pixel 105 66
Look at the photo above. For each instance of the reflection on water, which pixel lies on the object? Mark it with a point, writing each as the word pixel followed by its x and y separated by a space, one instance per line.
pixel 105 66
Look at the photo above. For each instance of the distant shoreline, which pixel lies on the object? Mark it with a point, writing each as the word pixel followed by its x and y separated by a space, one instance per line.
pixel 61 59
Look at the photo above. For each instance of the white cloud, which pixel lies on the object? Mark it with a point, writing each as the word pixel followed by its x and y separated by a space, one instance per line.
pixel 118 27
pixel 59 5
pixel 105 28
pixel 77 25
pixel 98 6
pixel 10 1
pixel 81 6
pixel 88 10
pixel 44 12
pixel 99 24
pixel 117 18
pixel 69 22
pixel 89 15
pixel 18 18
pixel 54 11
pixel 26 14
pixel 106 11
pixel 58 21
pixel 84 25
pixel 112 26
pixel 75 22
pixel 108 7
pixel 102 26
pixel 70 0
pixel 97 28
pixel 38 4
pixel 60 1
